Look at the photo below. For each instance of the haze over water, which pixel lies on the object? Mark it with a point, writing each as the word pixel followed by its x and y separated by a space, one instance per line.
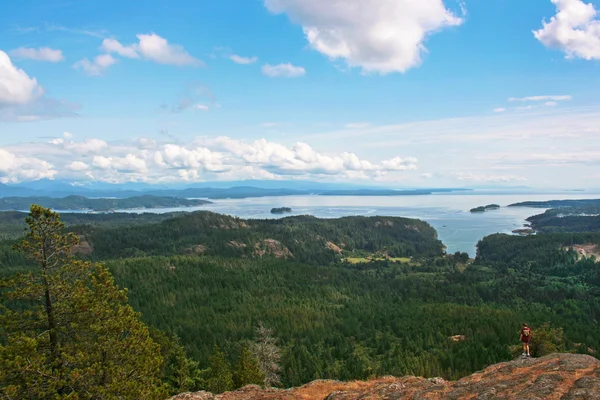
pixel 459 229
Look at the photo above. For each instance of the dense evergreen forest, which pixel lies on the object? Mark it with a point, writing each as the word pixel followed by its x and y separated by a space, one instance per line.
pixel 209 280
pixel 97 204
pixel 568 219
pixel 302 238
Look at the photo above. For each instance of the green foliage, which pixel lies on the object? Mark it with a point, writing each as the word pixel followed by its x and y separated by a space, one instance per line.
pixel 220 378
pixel 67 330
pixel 179 373
pixel 247 371
pixel 547 340
pixel 305 237
pixel 334 319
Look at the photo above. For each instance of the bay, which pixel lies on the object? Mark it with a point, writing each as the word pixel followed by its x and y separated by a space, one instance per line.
pixel 448 213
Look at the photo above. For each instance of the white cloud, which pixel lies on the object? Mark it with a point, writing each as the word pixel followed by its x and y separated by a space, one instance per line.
pixel 102 162
pixel 499 110
pixel 399 164
pixel 56 141
pixel 574 29
pixel 541 98
pixel 380 36
pixel 17 168
pixel 158 49
pixel 16 87
pixel 550 103
pixel 87 146
pixel 283 70
pixel 96 67
pixel 200 107
pixel 220 158
pixel 243 60
pixel 41 54
pixel 77 166
pixel 113 46
pixel 154 48
pixel 67 135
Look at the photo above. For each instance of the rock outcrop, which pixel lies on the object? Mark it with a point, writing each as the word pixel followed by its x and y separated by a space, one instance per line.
pixel 554 377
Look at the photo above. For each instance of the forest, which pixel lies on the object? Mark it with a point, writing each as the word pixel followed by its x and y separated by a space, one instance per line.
pixel 584 218
pixel 209 282
pixel 83 203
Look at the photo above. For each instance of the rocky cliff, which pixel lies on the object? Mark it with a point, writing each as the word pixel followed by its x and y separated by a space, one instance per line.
pixel 558 376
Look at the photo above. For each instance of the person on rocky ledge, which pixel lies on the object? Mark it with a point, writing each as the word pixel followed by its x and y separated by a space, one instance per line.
pixel 525 338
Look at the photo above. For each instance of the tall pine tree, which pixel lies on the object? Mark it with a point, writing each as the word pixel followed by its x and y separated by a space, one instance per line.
pixel 220 378
pixel 67 330
pixel 247 371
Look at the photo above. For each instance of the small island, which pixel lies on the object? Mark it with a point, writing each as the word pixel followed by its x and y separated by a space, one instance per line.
pixel 281 210
pixel 485 208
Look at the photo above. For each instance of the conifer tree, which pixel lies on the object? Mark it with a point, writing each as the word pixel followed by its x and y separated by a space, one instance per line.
pixel 268 354
pixel 220 378
pixel 67 330
pixel 247 371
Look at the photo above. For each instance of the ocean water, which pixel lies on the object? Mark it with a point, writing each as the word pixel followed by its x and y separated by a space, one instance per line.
pixel 459 229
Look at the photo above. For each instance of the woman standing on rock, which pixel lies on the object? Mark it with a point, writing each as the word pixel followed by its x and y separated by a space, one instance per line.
pixel 525 338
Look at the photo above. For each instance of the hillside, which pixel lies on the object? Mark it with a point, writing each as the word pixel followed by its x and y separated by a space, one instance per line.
pixel 77 203
pixel 202 278
pixel 567 219
pixel 554 377
pixel 302 238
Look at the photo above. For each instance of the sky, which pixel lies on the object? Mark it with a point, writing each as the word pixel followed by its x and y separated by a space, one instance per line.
pixel 400 93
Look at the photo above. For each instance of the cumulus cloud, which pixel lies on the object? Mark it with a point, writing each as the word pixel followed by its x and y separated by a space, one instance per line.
pixel 87 146
pixel 22 99
pixel 380 36
pixel 243 60
pixel 154 48
pixel 16 168
pixel 283 70
pixel 220 158
pixel 113 46
pixel 16 87
pixel 40 54
pixel 77 166
pixel 499 110
pixel 575 29
pixel 96 67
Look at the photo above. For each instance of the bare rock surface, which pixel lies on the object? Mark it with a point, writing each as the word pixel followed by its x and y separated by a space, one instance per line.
pixel 554 377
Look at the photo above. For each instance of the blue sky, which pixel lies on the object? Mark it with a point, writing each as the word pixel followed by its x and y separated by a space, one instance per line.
pixel 404 93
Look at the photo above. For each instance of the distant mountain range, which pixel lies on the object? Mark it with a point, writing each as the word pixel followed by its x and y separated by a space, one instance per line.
pixel 212 190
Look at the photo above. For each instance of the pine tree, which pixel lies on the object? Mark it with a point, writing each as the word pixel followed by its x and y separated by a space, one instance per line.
pixel 267 353
pixel 67 330
pixel 220 378
pixel 247 371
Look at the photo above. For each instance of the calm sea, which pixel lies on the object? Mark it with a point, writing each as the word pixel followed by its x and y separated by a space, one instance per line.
pixel 449 214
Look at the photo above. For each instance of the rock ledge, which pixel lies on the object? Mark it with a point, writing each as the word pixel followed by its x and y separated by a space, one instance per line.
pixel 554 377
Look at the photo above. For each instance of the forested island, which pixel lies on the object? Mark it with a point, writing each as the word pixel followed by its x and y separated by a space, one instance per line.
pixel 80 203
pixel 557 203
pixel 485 208
pixel 210 288
pixel 281 210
